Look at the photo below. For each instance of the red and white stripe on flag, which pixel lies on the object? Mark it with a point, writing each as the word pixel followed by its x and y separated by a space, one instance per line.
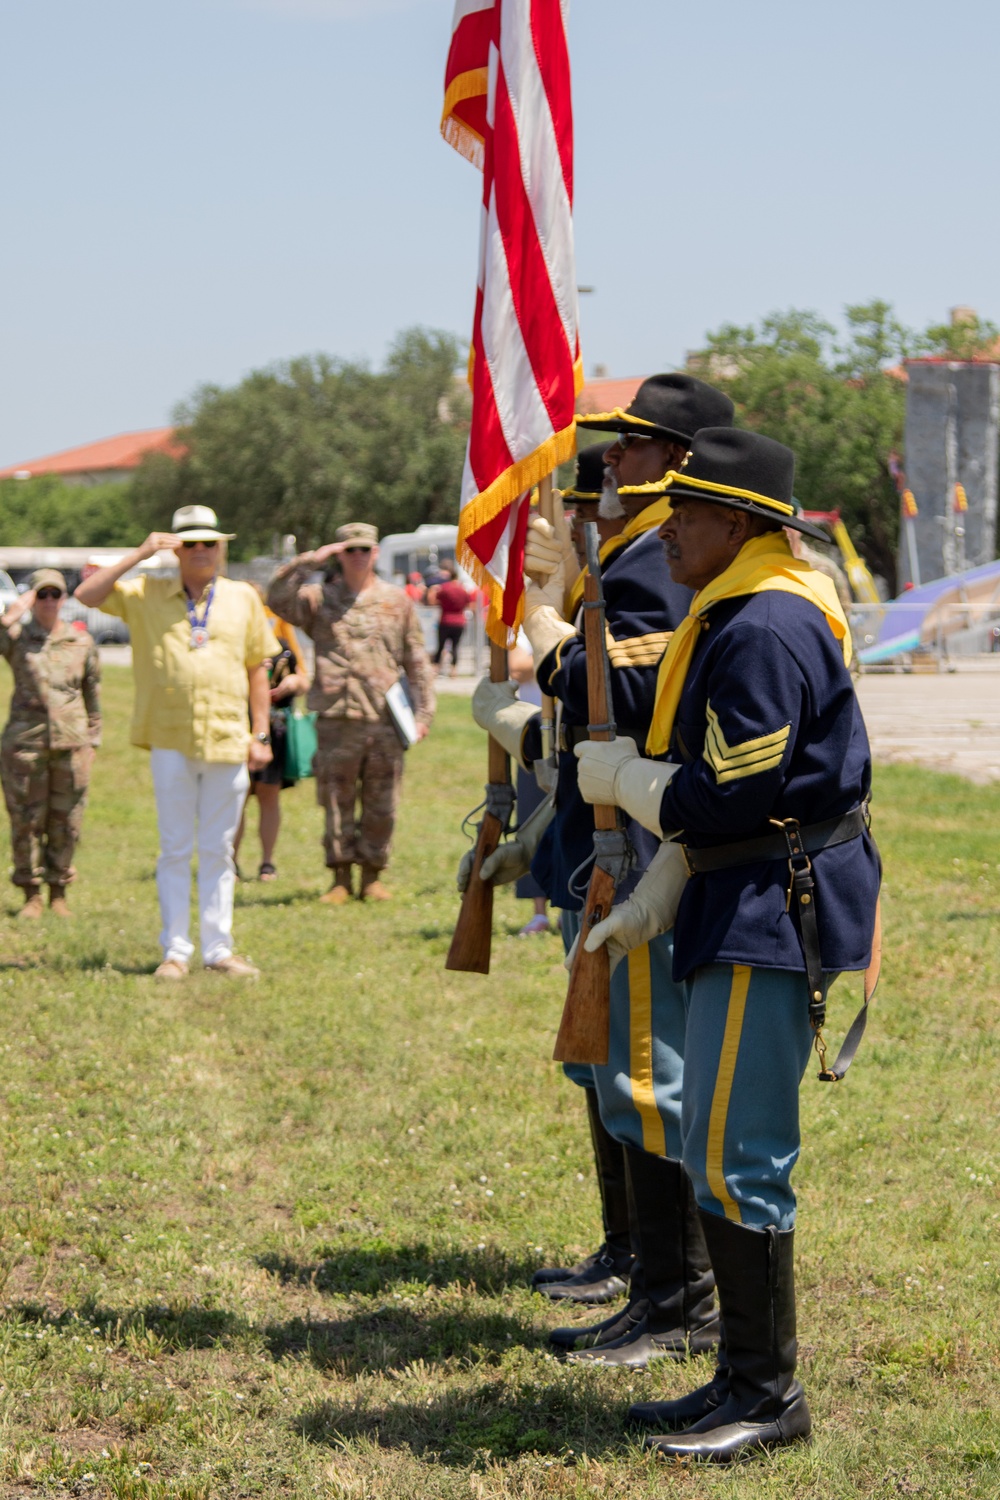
pixel 508 109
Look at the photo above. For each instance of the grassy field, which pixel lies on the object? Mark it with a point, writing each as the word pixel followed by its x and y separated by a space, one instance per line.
pixel 274 1240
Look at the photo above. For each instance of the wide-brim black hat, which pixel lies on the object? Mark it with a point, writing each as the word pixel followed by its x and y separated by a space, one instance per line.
pixel 671 407
pixel 744 471
pixel 588 481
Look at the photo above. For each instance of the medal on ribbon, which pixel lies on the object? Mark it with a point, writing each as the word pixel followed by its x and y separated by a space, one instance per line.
pixel 199 627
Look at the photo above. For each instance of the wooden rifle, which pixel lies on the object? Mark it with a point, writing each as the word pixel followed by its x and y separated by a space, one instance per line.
pixel 584 1030
pixel 470 944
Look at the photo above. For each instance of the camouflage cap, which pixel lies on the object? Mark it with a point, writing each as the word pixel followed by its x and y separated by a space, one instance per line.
pixel 48 578
pixel 360 533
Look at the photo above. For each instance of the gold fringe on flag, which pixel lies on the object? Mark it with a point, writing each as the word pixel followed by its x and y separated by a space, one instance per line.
pixel 505 489
pixel 457 132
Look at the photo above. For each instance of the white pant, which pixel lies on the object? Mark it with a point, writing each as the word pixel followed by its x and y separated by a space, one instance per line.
pixel 190 791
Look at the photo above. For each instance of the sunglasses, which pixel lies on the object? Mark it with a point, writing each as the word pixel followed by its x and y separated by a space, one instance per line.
pixel 357 549
pixel 48 594
pixel 626 439
pixel 209 545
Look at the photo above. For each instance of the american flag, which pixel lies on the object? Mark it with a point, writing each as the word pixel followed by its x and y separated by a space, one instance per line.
pixel 508 109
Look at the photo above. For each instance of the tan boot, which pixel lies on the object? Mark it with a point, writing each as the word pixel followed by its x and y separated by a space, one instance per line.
pixel 372 888
pixel 57 901
pixel 340 892
pixel 32 908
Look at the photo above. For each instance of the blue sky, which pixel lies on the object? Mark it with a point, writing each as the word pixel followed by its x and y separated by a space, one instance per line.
pixel 194 189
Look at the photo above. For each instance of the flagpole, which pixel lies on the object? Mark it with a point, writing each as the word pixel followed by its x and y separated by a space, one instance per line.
pixel 546 771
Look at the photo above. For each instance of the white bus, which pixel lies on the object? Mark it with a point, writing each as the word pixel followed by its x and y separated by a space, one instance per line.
pixel 405 552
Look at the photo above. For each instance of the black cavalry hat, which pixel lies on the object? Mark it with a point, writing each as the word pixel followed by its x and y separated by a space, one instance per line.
pixel 670 407
pixel 588 480
pixel 745 471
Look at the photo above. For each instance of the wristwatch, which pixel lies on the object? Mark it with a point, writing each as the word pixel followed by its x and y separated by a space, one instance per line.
pixel 265 739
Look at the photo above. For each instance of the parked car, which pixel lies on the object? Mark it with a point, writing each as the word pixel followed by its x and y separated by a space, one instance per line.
pixel 8 591
pixel 106 629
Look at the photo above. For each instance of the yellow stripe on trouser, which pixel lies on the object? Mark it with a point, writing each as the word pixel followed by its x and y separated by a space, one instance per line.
pixel 728 1054
pixel 640 990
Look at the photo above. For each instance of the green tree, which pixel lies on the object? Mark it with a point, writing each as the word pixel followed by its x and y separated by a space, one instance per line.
pixel 839 407
pixel 46 512
pixel 969 337
pixel 306 445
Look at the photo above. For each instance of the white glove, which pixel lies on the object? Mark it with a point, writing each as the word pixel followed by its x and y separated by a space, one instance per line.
pixel 650 910
pixel 549 547
pixel 497 709
pixel 511 859
pixel 614 773
pixel 547 594
pixel 543 625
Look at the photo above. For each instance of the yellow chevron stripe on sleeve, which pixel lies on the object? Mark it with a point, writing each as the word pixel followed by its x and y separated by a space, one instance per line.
pixel 639 651
pixel 730 762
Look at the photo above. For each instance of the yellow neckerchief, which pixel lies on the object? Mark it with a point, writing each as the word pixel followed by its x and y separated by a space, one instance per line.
pixel 765 562
pixel 653 515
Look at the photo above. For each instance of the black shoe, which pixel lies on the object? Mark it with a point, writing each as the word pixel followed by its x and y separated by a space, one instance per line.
pixel 602 1276
pixel 641 1346
pixel 679 1415
pixel 765 1406
pixel 673 1272
pixel 619 1325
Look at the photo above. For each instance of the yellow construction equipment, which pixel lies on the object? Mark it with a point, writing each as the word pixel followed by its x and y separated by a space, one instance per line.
pixel 861 581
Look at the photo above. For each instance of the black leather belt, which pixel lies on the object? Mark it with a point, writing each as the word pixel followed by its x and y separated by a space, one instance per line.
pixel 795 844
pixel 808 840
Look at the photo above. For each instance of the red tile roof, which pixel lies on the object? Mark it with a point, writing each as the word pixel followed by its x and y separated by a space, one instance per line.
pixel 122 452
pixel 605 395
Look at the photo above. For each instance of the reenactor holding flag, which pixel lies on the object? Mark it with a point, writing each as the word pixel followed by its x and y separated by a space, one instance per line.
pixel 637 1093
pixel 762 805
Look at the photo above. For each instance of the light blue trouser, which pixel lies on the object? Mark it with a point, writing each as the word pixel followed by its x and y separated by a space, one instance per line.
pixel 747 1047
pixel 639 1088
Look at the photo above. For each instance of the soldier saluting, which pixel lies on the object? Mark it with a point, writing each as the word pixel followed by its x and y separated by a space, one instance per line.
pixel 49 741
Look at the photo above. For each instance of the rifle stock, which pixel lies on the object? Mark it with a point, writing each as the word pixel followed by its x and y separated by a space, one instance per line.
pixel 472 938
pixel 586 1019
pixel 471 941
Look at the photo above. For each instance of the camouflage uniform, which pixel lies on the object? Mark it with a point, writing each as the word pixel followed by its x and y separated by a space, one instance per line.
pixel 362 643
pixel 45 752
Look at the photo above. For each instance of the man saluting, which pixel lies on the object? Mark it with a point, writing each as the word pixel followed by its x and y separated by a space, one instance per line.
pixel 199 647
pixel 764 797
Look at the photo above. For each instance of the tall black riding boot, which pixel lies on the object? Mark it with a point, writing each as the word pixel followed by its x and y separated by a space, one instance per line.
pixel 676 1274
pixel 602 1276
pixel 766 1405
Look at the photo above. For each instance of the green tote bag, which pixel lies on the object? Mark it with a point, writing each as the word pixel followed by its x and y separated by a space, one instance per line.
pixel 300 744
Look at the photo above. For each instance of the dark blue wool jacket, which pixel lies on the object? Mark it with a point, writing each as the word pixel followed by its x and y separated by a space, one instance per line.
pixel 768 726
pixel 643 608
